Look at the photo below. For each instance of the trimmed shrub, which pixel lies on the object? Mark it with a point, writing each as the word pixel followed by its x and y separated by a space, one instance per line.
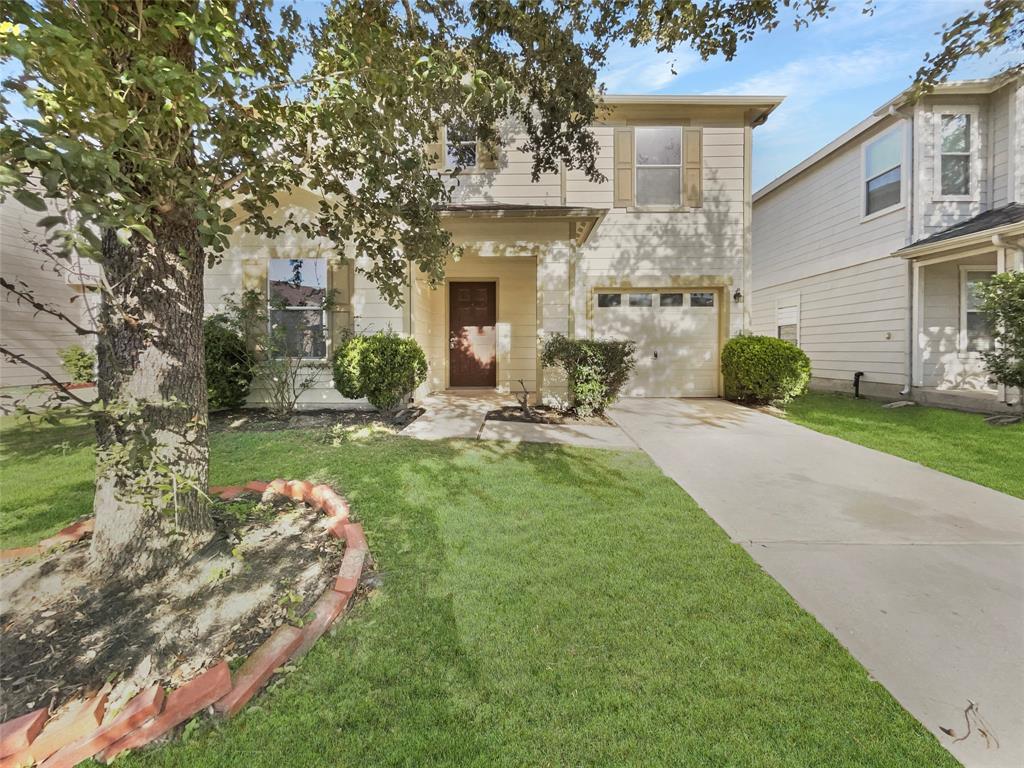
pixel 762 369
pixel 78 364
pixel 229 364
pixel 384 368
pixel 596 369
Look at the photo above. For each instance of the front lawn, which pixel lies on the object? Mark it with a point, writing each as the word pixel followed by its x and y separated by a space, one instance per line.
pixel 960 444
pixel 537 605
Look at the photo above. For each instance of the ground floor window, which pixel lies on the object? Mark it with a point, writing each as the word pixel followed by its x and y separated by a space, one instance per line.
pixel 787 321
pixel 975 334
pixel 297 306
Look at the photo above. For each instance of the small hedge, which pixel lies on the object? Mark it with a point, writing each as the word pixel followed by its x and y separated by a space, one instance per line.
pixel 596 369
pixel 229 364
pixel 384 368
pixel 762 369
pixel 78 363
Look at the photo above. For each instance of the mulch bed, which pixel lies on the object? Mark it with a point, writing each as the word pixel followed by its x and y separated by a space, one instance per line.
pixel 542 414
pixel 65 634
pixel 262 420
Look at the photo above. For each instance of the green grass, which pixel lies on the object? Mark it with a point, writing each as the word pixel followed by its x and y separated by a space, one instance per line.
pixel 539 606
pixel 46 475
pixel 960 444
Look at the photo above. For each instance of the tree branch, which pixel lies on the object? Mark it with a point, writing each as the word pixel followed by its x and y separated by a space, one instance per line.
pixel 14 357
pixel 24 294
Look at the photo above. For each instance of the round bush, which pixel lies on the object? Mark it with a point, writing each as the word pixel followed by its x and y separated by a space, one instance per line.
pixel 761 369
pixel 229 365
pixel 384 368
pixel 596 369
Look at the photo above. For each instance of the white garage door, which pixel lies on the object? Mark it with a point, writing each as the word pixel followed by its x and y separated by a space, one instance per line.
pixel 676 332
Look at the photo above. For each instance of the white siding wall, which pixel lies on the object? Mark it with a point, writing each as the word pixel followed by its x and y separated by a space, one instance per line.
pixel 812 246
pixel 813 224
pixel 1002 106
pixel 851 319
pixel 944 364
pixel 38 336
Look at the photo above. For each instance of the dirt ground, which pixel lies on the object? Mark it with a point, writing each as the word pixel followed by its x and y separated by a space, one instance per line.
pixel 66 633
pixel 542 414
pixel 261 420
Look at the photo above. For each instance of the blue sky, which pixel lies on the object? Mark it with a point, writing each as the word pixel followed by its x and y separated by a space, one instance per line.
pixel 833 73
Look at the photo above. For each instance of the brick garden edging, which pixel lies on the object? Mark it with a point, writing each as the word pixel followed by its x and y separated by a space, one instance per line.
pixel 79 732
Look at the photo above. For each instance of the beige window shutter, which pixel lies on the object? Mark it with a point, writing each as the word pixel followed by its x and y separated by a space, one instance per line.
pixel 254 275
pixel 623 192
pixel 488 156
pixel 693 167
pixel 341 293
pixel 435 150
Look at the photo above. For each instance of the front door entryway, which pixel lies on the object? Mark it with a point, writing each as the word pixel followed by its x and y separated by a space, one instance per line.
pixel 472 337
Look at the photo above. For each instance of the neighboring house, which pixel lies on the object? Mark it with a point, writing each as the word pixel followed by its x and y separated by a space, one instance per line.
pixel 867 253
pixel 659 253
pixel 23 330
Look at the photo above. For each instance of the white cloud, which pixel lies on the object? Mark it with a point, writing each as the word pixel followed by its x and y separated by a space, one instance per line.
pixel 644 70
pixel 805 82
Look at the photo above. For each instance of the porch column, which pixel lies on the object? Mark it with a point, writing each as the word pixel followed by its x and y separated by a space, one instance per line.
pixel 553 300
pixel 916 322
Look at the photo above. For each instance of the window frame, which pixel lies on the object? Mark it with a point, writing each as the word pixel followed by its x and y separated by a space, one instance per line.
pixel 962 340
pixel 307 308
pixel 636 169
pixel 788 308
pixel 974 153
pixel 901 129
pixel 446 164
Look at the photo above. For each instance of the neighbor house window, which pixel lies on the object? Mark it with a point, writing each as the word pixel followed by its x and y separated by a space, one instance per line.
pixel 659 166
pixel 883 159
pixel 975 334
pixel 955 146
pixel 297 297
pixel 787 320
pixel 460 147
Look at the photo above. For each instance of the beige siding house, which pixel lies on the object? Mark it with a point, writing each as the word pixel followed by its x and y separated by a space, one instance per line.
pixel 36 335
pixel 866 253
pixel 659 253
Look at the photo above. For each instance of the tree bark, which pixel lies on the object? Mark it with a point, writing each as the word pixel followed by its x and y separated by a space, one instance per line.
pixel 152 452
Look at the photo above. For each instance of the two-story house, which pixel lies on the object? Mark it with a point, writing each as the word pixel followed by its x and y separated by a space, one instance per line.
pixel 658 253
pixel 868 252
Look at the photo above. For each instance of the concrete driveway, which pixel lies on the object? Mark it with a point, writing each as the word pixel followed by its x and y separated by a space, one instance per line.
pixel 919 574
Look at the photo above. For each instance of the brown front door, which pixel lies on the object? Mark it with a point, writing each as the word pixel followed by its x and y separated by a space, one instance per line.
pixel 471 335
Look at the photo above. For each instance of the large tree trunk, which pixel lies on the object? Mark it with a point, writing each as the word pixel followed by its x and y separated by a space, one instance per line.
pixel 152 453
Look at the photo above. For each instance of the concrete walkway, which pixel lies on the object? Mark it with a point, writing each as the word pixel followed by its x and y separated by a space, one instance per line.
pixel 919 574
pixel 461 416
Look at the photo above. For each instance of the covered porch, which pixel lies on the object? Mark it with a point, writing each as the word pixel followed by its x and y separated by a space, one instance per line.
pixel 481 328
pixel 949 332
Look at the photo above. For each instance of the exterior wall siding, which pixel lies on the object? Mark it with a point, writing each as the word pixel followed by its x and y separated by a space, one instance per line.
pixel 944 364
pixel 851 319
pixel 35 334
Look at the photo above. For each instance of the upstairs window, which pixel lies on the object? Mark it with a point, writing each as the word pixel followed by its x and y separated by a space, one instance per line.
pixel 883 161
pixel 297 298
pixel 460 148
pixel 955 145
pixel 659 166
